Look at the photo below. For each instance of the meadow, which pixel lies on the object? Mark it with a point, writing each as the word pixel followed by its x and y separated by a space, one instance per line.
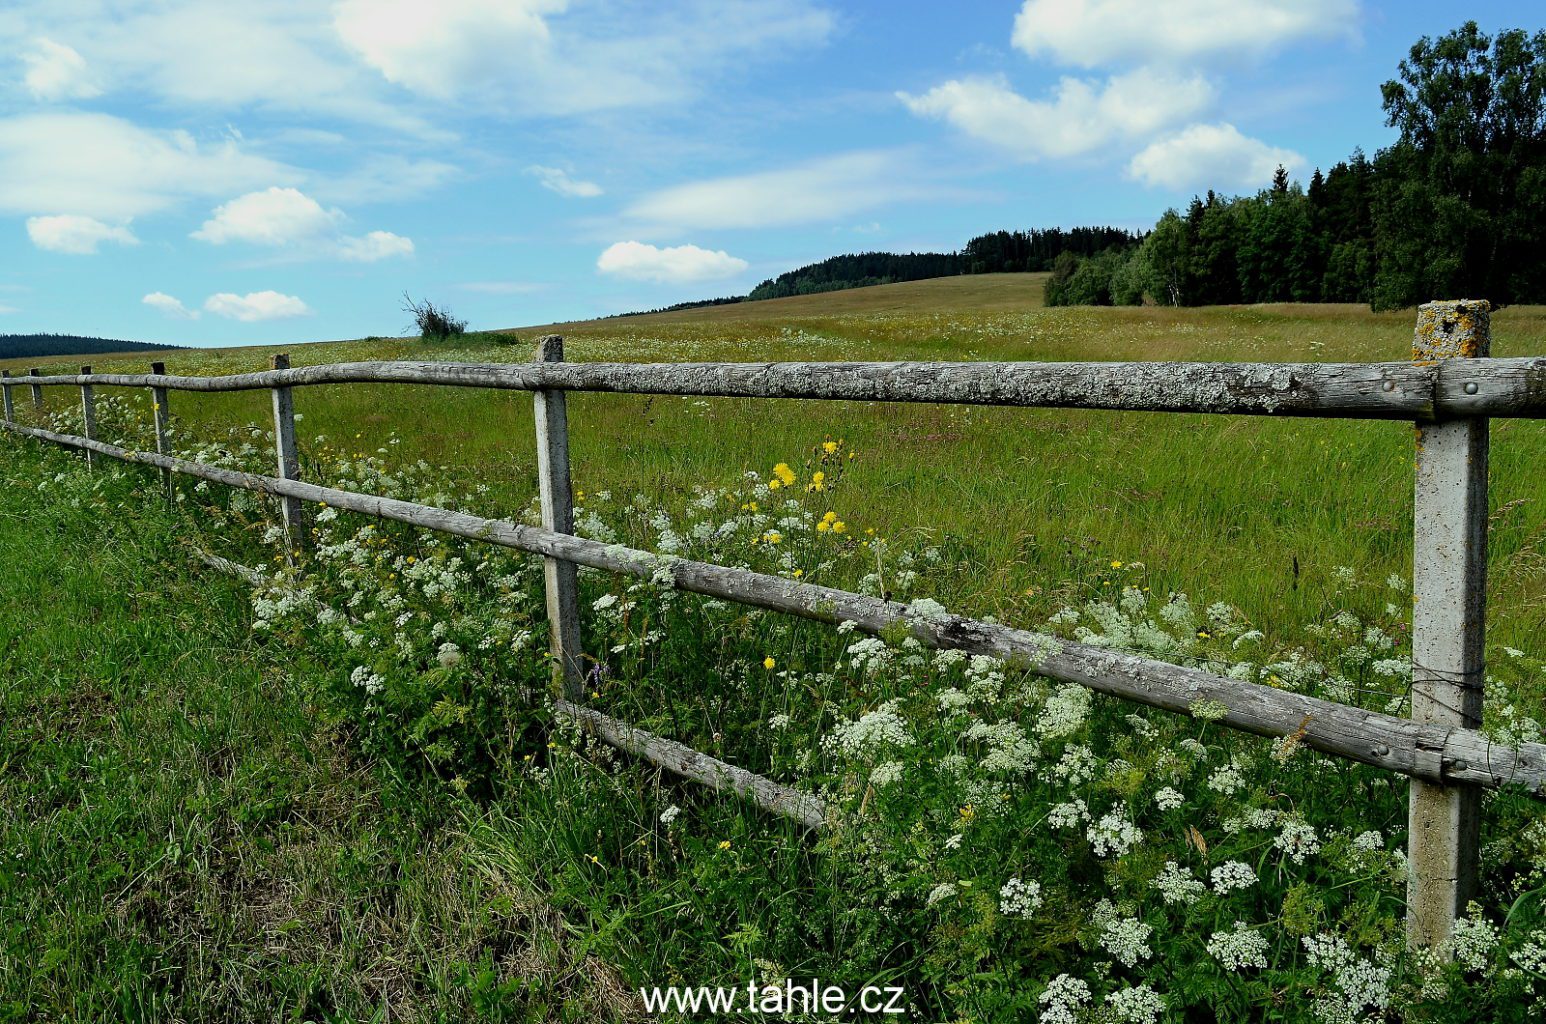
pixel 368 814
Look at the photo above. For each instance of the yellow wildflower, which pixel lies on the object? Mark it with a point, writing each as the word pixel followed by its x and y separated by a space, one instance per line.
pixel 839 527
pixel 829 447
pixel 724 844
pixel 768 663
pixel 823 526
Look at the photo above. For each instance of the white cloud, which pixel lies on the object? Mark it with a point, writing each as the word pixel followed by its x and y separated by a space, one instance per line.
pixel 8 309
pixel 824 189
pixel 1215 155
pixel 675 264
pixel 274 216
pixel 376 245
pixel 1080 118
pixel 56 71
pixel 541 57
pixel 1091 33
pixel 75 234
pixel 105 167
pixel 172 307
pixel 437 49
pixel 557 180
pixel 288 218
pixel 256 306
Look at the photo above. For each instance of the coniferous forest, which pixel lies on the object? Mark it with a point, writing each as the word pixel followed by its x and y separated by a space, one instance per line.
pixel 1455 207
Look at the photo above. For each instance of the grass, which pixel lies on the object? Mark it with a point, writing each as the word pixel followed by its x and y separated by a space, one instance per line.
pixel 210 821
pixel 185 839
pixel 1256 511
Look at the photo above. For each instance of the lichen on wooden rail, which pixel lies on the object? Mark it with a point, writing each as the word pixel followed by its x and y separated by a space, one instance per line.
pixel 1419 750
pixel 1400 391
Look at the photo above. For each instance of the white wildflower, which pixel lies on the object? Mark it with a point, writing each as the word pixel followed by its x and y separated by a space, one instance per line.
pixel 1114 834
pixel 1232 875
pixel 1176 885
pixel 1062 999
pixel 1127 940
pixel 1235 950
pixel 1168 799
pixel 1137 1005
pixel 1019 898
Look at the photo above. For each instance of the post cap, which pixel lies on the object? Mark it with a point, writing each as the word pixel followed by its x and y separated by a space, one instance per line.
pixel 1452 329
pixel 550 349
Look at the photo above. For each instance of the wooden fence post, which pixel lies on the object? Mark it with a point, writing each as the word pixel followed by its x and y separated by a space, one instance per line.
pixel 1449 586
pixel 161 415
pixel 37 393
pixel 89 418
pixel 10 405
pixel 289 461
pixel 557 498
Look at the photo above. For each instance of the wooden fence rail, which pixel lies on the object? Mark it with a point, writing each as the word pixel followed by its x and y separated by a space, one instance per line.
pixel 1395 391
pixel 1450 389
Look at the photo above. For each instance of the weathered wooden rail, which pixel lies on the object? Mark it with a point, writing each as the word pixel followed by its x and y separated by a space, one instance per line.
pixel 1449 390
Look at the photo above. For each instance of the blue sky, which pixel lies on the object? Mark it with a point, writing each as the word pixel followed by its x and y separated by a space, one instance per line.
pixel 217 173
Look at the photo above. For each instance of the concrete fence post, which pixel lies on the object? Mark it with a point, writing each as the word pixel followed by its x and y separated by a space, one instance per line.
pixel 162 418
pixel 89 419
pixel 557 499
pixel 288 459
pixel 1449 586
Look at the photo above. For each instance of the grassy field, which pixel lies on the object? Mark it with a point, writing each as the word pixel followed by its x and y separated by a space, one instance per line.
pixel 1254 511
pixel 221 808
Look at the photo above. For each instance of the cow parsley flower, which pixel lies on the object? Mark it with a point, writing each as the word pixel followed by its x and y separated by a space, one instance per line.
pixel 1238 949
pixel 1232 875
pixel 1168 799
pixel 1068 815
pixel 1018 898
pixel 1127 940
pixel 1472 940
pixel 1176 885
pixel 1062 999
pixel 1298 839
pixel 1114 834
pixel 1137 1005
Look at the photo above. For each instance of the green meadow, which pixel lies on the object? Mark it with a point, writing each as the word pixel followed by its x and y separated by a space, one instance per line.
pixel 350 804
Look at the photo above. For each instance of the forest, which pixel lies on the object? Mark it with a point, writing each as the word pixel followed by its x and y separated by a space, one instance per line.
pixel 1456 207
pixel 25 346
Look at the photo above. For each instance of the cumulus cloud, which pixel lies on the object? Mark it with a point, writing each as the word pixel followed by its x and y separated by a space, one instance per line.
pixel 1213 155
pixel 256 306
pixel 817 190
pixel 56 71
pixel 106 167
pixel 1092 33
pixel 170 306
pixel 274 216
pixel 288 218
pixel 1081 116
pixel 677 264
pixel 75 234
pixel 436 48
pixel 542 56
pixel 376 245
pixel 557 180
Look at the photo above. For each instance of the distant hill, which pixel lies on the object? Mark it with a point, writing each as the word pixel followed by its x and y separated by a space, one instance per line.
pixel 26 346
pixel 998 252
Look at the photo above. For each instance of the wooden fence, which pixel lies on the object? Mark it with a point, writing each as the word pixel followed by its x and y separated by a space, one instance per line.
pixel 1450 389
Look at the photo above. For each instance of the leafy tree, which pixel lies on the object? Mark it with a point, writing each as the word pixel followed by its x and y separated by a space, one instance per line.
pixel 1462 204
